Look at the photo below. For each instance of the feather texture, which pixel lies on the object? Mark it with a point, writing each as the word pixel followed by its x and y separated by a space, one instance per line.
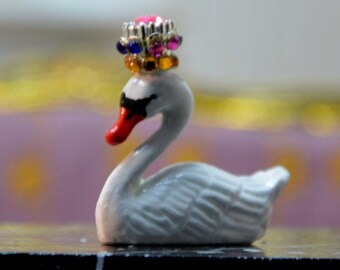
pixel 195 202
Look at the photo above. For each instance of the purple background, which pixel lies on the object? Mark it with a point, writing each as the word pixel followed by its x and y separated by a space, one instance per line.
pixel 53 165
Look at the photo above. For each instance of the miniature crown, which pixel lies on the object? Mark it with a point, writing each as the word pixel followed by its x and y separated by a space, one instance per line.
pixel 149 42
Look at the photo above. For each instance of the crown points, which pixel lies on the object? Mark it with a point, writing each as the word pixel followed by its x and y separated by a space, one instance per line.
pixel 149 42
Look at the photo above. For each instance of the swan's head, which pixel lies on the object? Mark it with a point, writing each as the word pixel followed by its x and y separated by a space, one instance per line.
pixel 146 95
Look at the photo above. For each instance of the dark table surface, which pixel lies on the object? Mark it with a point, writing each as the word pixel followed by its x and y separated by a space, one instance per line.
pixel 76 247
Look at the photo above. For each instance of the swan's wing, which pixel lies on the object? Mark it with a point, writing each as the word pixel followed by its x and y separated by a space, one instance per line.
pixel 195 202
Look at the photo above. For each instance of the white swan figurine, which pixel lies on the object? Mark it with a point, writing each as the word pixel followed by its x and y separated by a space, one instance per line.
pixel 187 203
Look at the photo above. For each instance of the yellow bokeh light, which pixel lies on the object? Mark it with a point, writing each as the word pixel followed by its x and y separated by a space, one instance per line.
pixel 319 119
pixel 27 179
pixel 96 81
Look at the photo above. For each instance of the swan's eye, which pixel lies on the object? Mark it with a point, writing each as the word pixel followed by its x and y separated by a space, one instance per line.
pixel 136 106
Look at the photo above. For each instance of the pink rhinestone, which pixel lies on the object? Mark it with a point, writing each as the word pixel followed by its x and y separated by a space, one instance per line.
pixel 174 43
pixel 149 18
pixel 157 49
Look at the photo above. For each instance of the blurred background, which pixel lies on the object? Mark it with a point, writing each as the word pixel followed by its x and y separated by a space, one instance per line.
pixel 265 75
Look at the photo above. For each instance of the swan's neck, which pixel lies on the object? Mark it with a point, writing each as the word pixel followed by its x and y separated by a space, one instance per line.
pixel 133 167
pixel 125 178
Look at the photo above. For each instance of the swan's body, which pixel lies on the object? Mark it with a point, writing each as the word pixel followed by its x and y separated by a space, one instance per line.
pixel 187 203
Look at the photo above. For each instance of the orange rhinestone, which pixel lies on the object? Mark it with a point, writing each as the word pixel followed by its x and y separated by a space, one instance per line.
pixel 149 63
pixel 174 61
pixel 132 63
pixel 165 63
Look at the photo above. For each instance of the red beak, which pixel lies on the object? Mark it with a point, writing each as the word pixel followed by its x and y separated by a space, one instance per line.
pixel 122 128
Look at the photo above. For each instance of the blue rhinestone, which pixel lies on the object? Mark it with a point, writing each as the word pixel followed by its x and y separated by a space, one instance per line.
pixel 121 48
pixel 134 47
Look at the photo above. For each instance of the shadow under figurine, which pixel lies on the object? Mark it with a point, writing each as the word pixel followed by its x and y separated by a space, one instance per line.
pixel 186 203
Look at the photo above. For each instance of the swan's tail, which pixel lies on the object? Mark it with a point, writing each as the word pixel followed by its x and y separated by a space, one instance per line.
pixel 271 182
pixel 253 206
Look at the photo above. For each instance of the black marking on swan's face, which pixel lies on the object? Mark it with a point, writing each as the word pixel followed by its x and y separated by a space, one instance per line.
pixel 136 106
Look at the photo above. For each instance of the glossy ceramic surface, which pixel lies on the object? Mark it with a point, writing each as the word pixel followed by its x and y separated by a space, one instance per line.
pixel 186 203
